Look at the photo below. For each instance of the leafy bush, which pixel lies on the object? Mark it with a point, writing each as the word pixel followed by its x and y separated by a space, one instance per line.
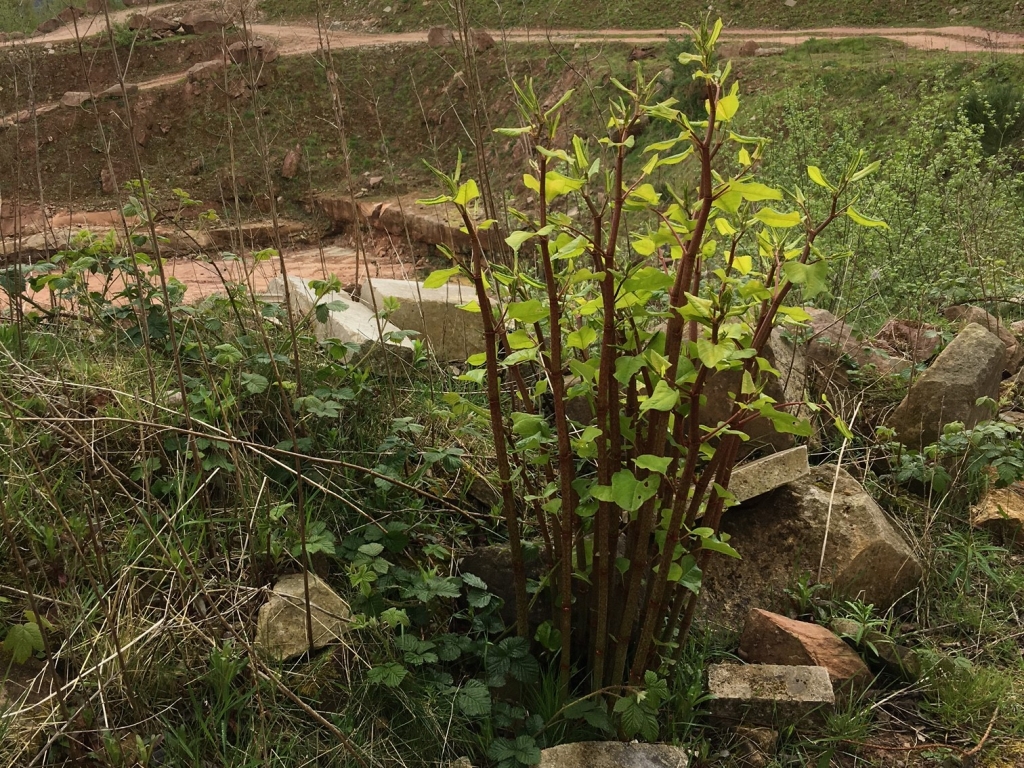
pixel 631 316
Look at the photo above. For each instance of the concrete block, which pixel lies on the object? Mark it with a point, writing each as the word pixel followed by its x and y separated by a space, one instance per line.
pixel 768 694
pixel 763 475
pixel 355 324
pixel 452 333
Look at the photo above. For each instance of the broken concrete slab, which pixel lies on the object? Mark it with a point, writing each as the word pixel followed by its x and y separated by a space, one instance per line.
pixel 769 638
pixel 356 323
pixel 453 333
pixel 614 754
pixel 281 625
pixel 768 694
pixel 969 368
pixel 779 537
pixel 766 474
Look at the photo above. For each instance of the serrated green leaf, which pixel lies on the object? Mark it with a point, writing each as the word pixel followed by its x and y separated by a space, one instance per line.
pixel 23 640
pixel 474 699
pixel 390 674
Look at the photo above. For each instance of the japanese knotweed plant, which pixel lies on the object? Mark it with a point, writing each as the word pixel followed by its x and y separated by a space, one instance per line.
pixel 626 301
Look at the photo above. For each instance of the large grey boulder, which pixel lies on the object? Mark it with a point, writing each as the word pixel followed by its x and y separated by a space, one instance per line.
pixel 440 37
pixel 779 537
pixel 141 21
pixel 355 323
pixel 75 98
pixel 453 333
pixel 768 694
pixel 281 625
pixel 201 23
pixel 969 368
pixel 613 754
pixel 965 315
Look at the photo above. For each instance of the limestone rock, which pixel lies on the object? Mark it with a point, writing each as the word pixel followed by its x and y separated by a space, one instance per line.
pixel 1001 512
pixel 107 182
pixel 281 626
pixel 422 225
pixel 440 37
pixel 114 91
pixel 258 51
pixel 50 25
pixel 964 315
pixel 775 50
pixel 756 745
pixel 482 40
pixel 613 754
pixel 767 694
pixel 201 23
pixel 434 313
pixel 205 70
pixel 292 160
pixel 911 339
pixel 141 21
pixel 403 218
pixel 779 536
pixel 254 234
pixel 833 348
pixel 70 14
pixel 355 323
pixel 764 475
pixel 969 368
pixel 769 638
pixel 74 99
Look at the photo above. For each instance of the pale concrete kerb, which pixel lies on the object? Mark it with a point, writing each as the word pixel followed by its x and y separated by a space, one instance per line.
pixel 767 474
pixel 356 323
pixel 768 694
pixel 453 333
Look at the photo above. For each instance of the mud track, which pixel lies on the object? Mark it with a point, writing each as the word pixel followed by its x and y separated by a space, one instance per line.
pixel 298 40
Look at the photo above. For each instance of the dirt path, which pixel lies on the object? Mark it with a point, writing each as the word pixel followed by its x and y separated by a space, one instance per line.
pixel 297 40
